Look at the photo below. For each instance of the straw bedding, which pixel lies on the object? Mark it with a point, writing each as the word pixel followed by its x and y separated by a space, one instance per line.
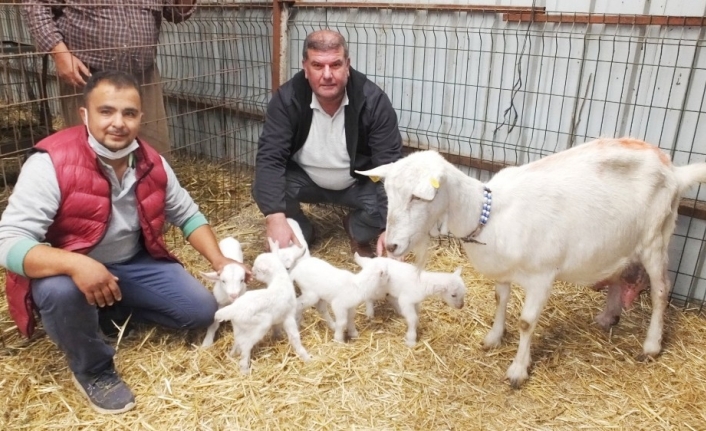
pixel 582 378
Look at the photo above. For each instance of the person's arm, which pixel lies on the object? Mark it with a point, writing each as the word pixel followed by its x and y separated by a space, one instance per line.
pixel 204 241
pixel 47 38
pixel 99 286
pixel 277 229
pixel 30 211
pixel 39 19
pixel 273 152
pixel 182 211
pixel 177 11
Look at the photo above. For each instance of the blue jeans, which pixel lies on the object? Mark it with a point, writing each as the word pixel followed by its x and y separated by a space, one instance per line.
pixel 154 291
pixel 366 222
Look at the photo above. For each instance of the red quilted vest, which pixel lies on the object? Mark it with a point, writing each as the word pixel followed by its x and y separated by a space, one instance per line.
pixel 84 211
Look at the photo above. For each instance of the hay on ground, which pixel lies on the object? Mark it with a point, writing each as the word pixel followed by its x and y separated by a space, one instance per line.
pixel 581 378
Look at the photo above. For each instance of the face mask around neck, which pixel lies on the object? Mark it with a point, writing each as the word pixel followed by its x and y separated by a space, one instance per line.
pixel 102 151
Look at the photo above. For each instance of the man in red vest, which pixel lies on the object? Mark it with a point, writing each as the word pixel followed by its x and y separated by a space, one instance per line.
pixel 82 235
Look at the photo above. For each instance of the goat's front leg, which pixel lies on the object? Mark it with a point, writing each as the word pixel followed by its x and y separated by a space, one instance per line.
pixel 304 301
pixel 341 314
pixel 409 311
pixel 210 334
pixel 495 335
pixel 322 308
pixel 537 294
pixel 292 329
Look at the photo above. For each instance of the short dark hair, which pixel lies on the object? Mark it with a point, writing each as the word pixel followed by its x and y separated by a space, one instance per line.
pixel 324 40
pixel 116 78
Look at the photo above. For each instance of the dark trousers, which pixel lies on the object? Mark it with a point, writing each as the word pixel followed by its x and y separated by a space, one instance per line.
pixel 365 219
pixel 154 291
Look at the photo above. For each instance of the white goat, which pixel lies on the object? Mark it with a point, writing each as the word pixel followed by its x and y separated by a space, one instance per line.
pixel 291 254
pixel 321 283
pixel 257 311
pixel 582 216
pixel 407 287
pixel 227 286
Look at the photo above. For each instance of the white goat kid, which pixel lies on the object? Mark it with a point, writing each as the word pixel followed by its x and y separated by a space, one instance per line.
pixel 228 285
pixel 321 283
pixel 407 287
pixel 582 216
pixel 257 311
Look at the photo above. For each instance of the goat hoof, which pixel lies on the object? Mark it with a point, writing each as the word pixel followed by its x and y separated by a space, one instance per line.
pixel 645 357
pixel 517 375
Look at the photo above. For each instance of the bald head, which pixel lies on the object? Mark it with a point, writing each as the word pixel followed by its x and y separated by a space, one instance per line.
pixel 324 40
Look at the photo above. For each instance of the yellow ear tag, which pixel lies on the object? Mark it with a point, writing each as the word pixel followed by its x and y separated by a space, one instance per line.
pixel 374 178
pixel 434 183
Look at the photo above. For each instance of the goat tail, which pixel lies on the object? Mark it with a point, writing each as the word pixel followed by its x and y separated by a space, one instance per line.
pixel 690 175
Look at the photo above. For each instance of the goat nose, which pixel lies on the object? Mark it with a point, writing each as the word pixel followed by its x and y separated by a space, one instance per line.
pixel 391 248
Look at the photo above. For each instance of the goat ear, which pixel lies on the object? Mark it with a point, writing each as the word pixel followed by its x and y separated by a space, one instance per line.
pixel 360 260
pixel 212 276
pixel 301 251
pixel 458 271
pixel 376 174
pixel 274 245
pixel 426 188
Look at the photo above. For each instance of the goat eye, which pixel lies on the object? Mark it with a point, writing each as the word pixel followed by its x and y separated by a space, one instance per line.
pixel 453 296
pixel 415 198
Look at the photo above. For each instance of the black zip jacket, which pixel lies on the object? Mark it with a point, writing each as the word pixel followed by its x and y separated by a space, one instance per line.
pixel 372 135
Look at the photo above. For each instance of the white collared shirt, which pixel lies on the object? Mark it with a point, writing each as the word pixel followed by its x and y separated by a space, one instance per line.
pixel 324 156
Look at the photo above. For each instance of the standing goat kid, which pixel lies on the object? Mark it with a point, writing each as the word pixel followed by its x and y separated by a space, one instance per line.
pixel 582 216
pixel 257 311
pixel 322 283
pixel 228 285
pixel 407 287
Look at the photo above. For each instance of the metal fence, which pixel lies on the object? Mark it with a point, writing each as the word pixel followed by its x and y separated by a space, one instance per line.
pixel 488 87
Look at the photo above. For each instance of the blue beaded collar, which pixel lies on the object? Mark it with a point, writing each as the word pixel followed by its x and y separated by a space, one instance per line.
pixel 484 216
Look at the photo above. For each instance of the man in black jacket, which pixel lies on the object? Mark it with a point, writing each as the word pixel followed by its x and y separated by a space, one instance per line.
pixel 323 124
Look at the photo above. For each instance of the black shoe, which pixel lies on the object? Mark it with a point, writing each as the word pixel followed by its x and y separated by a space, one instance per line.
pixel 363 249
pixel 105 391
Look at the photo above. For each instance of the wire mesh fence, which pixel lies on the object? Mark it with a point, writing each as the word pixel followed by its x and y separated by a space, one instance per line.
pixel 486 87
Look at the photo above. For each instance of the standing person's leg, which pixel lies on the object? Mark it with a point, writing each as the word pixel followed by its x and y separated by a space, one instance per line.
pixel 71 100
pixel 154 128
pixel 164 293
pixel 72 324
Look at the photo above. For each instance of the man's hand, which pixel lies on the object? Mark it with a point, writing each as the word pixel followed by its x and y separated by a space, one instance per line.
pixel 218 267
pixel 96 282
pixel 279 230
pixel 69 68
